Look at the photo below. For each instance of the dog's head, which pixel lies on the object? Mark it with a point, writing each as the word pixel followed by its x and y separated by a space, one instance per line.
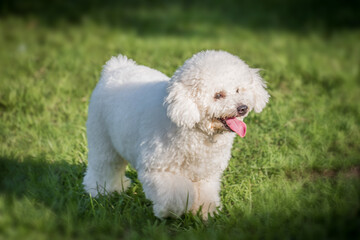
pixel 214 91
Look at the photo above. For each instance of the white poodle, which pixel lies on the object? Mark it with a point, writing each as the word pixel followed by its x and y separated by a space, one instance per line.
pixel 176 132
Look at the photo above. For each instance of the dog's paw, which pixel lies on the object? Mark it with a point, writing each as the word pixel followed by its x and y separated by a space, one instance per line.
pixel 205 210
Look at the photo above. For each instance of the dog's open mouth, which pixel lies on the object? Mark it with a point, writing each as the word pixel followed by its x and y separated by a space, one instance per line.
pixel 235 125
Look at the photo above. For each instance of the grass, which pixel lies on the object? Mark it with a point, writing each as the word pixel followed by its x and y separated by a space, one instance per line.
pixel 294 176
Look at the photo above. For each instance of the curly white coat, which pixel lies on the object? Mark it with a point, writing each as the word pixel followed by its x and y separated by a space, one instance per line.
pixel 168 129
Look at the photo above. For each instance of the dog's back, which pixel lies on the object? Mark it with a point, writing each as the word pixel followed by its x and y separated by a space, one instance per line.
pixel 126 103
pixel 121 70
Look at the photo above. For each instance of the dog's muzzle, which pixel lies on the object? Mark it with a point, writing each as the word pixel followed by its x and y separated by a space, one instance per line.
pixel 242 110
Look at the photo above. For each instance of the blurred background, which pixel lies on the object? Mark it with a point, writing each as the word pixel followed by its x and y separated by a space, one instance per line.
pixel 295 175
pixel 191 17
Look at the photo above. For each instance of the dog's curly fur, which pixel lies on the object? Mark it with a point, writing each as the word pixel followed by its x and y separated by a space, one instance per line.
pixel 171 130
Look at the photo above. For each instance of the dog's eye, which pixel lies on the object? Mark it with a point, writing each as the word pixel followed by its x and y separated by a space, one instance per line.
pixel 219 95
pixel 238 90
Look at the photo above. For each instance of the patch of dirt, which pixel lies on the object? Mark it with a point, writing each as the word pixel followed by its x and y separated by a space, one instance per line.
pixel 352 172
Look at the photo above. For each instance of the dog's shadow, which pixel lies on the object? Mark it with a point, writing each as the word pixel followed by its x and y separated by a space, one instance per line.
pixel 58 186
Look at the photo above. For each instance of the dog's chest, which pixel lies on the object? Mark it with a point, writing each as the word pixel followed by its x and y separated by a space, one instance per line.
pixel 205 161
pixel 196 160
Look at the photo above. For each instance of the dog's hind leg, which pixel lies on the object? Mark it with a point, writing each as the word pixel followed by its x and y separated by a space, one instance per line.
pixel 106 168
pixel 107 175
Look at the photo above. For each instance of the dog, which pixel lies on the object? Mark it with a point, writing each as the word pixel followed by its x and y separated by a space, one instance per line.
pixel 176 132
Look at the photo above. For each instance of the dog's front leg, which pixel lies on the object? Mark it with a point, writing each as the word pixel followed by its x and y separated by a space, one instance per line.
pixel 172 194
pixel 207 197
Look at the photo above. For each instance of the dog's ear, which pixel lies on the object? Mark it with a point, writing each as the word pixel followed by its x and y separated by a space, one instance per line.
pixel 261 96
pixel 181 106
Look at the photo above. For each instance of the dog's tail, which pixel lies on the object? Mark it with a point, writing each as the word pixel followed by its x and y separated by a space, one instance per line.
pixel 118 62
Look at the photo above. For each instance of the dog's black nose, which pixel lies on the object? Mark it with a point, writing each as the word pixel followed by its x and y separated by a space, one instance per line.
pixel 242 110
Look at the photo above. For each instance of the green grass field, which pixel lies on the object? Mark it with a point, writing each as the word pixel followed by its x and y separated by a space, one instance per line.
pixel 296 175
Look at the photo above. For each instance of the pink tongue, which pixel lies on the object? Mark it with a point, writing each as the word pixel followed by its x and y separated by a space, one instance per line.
pixel 237 126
